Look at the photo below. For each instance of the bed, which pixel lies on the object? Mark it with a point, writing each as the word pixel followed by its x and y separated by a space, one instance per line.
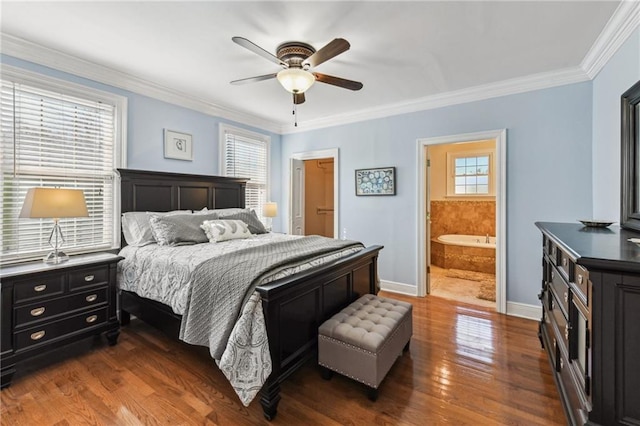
pixel 293 306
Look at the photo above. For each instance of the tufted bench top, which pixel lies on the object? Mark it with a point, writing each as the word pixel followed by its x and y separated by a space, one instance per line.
pixel 367 322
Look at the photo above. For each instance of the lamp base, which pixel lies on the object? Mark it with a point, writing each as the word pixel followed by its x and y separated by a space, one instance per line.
pixel 56 256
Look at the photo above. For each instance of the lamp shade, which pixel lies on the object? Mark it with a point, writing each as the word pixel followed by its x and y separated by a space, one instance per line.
pixel 270 209
pixel 296 80
pixel 54 203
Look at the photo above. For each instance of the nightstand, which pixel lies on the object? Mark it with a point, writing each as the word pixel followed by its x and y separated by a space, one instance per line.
pixel 47 306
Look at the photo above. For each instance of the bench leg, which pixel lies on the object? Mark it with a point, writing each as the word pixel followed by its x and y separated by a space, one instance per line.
pixel 326 373
pixel 372 394
pixel 406 347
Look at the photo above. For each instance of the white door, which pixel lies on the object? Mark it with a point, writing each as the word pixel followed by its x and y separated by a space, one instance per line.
pixel 296 214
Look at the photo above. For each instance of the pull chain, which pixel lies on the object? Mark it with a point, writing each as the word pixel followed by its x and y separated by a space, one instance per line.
pixel 295 111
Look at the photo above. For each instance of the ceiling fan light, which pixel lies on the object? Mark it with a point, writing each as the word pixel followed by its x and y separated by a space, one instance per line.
pixel 296 80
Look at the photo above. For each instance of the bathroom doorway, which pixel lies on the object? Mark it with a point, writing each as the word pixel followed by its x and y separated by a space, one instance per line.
pixel 462 218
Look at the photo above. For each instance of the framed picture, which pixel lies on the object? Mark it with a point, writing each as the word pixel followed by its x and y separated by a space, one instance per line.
pixel 178 145
pixel 380 181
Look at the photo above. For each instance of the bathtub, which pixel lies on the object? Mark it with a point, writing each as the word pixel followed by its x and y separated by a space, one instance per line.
pixel 467 252
pixel 468 240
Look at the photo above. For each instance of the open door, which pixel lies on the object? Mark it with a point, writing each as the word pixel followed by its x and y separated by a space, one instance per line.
pixel 296 215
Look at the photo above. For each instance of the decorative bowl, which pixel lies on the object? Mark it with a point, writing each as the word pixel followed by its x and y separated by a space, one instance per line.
pixel 594 223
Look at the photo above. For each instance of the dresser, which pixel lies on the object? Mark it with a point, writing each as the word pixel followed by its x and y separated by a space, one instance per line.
pixel 590 326
pixel 47 306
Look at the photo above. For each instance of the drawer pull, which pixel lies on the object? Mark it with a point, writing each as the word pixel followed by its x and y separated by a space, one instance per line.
pixel 579 279
pixel 91 298
pixel 37 311
pixel 91 319
pixel 566 332
pixel 561 364
pixel 37 335
pixel 41 287
pixel 564 261
pixel 553 274
pixel 566 297
pixel 89 278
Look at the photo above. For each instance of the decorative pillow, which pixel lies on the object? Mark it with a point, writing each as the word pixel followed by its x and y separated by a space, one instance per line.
pixel 171 230
pixel 137 228
pixel 223 230
pixel 251 219
pixel 223 213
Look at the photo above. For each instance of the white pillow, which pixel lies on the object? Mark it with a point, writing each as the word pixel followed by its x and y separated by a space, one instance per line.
pixel 137 228
pixel 223 230
pixel 222 213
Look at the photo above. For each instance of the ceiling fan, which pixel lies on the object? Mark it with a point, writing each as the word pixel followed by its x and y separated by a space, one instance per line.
pixel 297 60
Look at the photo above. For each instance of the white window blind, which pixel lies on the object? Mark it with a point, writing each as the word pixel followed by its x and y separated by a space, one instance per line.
pixel 246 155
pixel 53 139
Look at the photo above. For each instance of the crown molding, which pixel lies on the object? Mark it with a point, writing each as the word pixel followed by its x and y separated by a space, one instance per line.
pixel 621 25
pixel 478 93
pixel 41 55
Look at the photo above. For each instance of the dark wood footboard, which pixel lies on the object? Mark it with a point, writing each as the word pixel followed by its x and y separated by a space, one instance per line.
pixel 294 308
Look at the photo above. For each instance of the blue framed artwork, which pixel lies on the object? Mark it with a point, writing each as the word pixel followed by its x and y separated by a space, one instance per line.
pixel 378 181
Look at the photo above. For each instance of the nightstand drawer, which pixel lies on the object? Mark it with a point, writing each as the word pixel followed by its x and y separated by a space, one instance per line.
pixel 50 331
pixel 34 312
pixel 88 277
pixel 39 287
pixel 561 290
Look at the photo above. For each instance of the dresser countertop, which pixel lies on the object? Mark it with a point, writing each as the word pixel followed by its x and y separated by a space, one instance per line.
pixel 74 261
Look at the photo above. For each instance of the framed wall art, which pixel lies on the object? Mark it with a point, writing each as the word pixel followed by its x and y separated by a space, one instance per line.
pixel 178 145
pixel 378 181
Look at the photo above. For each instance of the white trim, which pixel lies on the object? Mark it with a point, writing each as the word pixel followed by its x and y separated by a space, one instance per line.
pixel 523 310
pixel 500 136
pixel 32 52
pixel 463 96
pixel 314 155
pixel 623 22
pixel 400 288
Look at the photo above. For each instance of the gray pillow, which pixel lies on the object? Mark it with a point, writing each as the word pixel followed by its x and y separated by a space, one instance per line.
pixel 251 219
pixel 179 229
pixel 137 228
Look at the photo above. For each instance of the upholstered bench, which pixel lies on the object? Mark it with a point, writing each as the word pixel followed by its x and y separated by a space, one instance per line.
pixel 364 339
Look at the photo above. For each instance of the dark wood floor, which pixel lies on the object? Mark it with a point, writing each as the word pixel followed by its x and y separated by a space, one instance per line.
pixel 466 366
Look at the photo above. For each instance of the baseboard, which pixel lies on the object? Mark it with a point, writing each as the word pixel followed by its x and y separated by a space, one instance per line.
pixel 522 310
pixel 401 288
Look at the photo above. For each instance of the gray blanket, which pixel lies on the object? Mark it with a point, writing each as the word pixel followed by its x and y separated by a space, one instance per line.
pixel 221 286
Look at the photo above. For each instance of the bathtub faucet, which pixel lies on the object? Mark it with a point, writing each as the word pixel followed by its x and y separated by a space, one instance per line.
pixel 487 240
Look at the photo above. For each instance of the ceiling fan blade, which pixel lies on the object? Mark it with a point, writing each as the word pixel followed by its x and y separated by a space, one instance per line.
pixel 298 98
pixel 254 79
pixel 337 81
pixel 334 48
pixel 258 50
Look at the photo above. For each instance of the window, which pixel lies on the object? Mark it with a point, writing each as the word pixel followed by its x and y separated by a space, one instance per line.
pixel 469 174
pixel 246 154
pixel 58 134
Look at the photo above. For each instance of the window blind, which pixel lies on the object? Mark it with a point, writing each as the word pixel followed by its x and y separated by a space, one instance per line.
pixel 53 139
pixel 247 157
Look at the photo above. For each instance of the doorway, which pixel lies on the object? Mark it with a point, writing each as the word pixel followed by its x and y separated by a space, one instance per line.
pixel 445 188
pixel 314 183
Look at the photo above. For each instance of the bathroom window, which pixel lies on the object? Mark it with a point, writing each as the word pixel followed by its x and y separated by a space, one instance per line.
pixel 469 174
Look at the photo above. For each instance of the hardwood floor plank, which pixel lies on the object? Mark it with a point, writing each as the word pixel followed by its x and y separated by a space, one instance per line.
pixel 466 366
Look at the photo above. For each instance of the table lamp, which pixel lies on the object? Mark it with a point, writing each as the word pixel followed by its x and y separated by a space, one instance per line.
pixel 269 210
pixel 54 203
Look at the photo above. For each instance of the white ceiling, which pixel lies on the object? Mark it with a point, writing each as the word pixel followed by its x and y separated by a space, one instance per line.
pixel 401 51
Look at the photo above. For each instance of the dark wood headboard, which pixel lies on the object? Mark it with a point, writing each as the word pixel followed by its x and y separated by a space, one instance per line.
pixel 161 191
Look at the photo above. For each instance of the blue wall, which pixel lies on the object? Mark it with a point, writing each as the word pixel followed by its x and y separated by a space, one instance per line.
pixel 146 120
pixel 548 174
pixel 619 74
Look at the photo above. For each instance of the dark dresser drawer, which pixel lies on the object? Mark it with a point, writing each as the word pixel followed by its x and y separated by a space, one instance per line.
pixel 37 288
pixel 55 329
pixel 565 265
pixel 561 324
pixel 34 312
pixel 581 279
pixel 561 289
pixel 88 277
